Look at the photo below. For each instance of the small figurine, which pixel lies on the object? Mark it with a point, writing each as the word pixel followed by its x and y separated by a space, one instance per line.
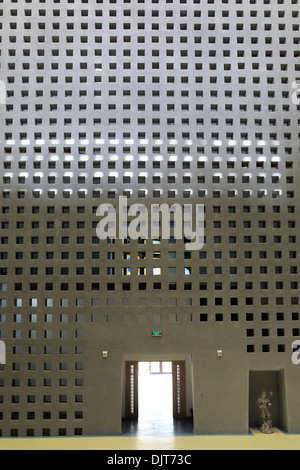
pixel 264 404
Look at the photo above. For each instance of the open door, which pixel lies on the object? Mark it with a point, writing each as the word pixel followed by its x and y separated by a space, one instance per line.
pixel 131 390
pixel 179 389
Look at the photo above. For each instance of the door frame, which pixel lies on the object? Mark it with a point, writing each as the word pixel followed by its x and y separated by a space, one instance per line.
pixel 179 387
pixel 131 390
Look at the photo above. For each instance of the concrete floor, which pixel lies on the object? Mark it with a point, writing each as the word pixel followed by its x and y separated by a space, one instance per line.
pixel 156 428
pixel 253 441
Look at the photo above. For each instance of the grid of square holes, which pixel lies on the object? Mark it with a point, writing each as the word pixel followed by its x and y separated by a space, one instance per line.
pixel 185 101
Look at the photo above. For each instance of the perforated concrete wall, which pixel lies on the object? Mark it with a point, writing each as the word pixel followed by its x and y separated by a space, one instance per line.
pixel 177 102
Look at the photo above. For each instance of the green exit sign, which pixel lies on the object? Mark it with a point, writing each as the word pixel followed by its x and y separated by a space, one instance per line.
pixel 156 333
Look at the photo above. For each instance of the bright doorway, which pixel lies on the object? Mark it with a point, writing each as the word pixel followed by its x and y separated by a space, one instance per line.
pixel 155 388
pixel 155 398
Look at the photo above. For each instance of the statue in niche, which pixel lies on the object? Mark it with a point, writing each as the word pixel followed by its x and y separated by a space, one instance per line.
pixel 264 404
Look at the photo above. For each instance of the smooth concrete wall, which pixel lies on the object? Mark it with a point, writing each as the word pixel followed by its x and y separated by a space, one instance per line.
pixel 104 400
pixel 220 395
pixel 293 399
pixel 189 386
pixel 220 385
pixel 283 400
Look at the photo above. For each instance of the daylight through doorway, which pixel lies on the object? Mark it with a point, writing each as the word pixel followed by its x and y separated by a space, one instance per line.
pixel 155 399
pixel 155 392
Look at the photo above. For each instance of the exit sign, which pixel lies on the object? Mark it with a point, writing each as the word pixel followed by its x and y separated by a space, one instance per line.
pixel 156 333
